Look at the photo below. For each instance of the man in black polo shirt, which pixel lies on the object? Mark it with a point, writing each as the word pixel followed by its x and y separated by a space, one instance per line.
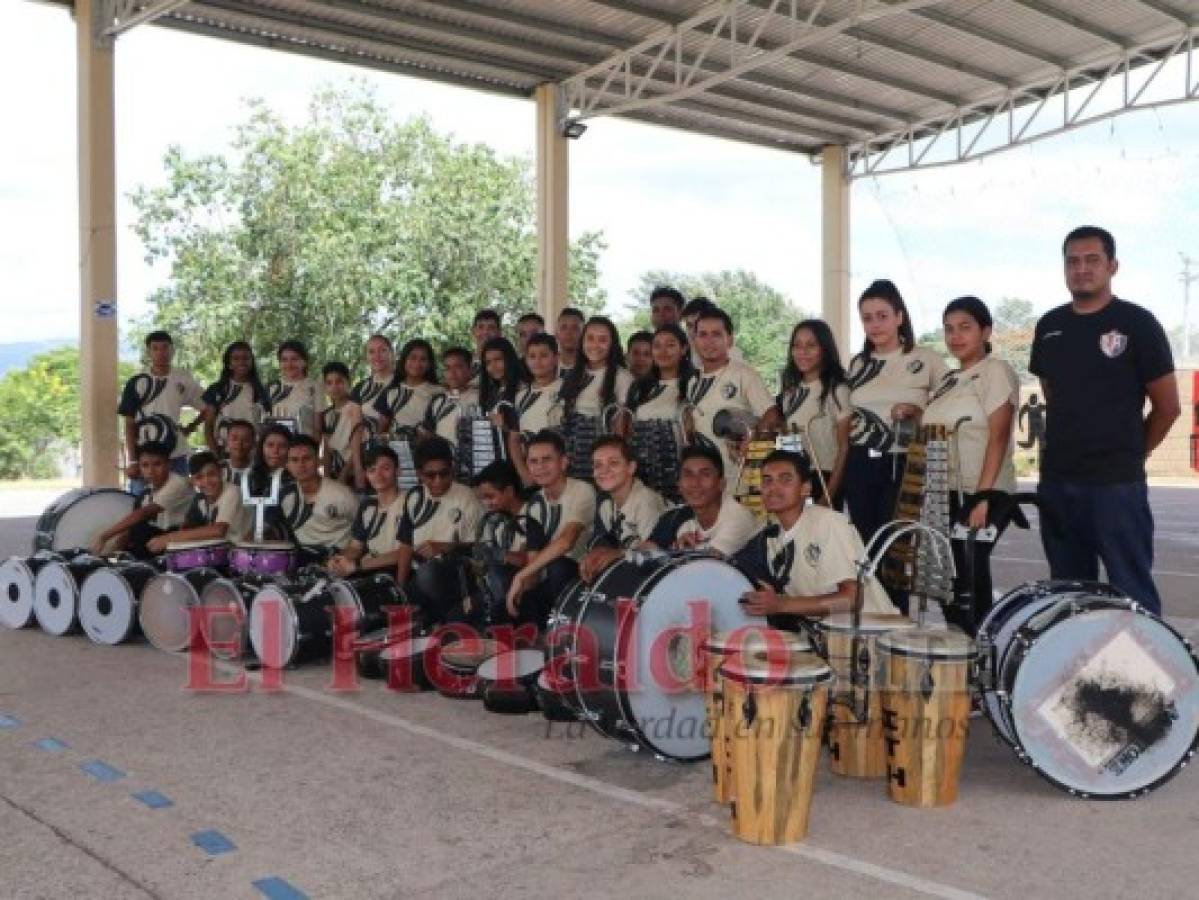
pixel 1098 358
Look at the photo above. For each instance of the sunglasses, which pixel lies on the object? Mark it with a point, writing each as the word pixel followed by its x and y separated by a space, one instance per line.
pixel 436 473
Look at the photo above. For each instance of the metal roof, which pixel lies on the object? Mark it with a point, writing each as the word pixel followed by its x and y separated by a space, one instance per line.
pixel 883 77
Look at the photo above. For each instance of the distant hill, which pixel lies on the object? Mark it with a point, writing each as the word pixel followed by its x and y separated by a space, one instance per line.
pixel 17 355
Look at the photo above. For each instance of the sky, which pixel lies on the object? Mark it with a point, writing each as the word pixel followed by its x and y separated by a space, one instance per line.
pixel 664 199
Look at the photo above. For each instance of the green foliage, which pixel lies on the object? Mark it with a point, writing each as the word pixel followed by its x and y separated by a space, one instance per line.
pixel 39 414
pixel 762 315
pixel 1011 336
pixel 340 226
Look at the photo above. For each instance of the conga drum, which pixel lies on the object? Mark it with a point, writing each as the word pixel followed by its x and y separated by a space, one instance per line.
pixel 856 747
pixel 775 713
pixel 718 649
pixel 925 680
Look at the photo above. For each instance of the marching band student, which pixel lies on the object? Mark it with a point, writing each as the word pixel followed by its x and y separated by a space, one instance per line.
pixel 486 325
pixel 338 422
pixel 977 404
pixel 890 382
pixel 500 381
pixel 569 332
pixel 665 307
pixel 711 519
pixel 318 510
pixel 804 562
pixel 527 325
pixel 690 318
pixel 445 409
pixel 373 545
pixel 381 361
pixel 640 353
pixel 659 396
pixel 439 514
pixel 597 382
pixel 405 403
pixel 565 509
pixel 815 403
pixel 538 398
pixel 160 509
pixel 270 459
pixel 239 451
pixel 237 395
pixel 216 512
pixel 725 383
pixel 293 394
pixel 151 403
pixel 627 510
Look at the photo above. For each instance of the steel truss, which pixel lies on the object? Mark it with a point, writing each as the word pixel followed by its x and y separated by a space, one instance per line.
pixel 115 17
pixel 628 81
pixel 1033 113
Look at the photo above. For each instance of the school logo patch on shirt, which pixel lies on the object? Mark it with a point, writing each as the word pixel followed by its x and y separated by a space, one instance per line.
pixel 729 391
pixel 1113 343
pixel 811 554
pixel 915 366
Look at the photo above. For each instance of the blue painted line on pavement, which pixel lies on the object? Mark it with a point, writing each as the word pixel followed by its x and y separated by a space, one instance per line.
pixel 50 745
pixel 153 799
pixel 102 771
pixel 213 842
pixel 9 722
pixel 275 888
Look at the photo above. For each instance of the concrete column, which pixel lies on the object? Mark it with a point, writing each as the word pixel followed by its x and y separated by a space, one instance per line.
pixel 553 194
pixel 97 249
pixel 834 244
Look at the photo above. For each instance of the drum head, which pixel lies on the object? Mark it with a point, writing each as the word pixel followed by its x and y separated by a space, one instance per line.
pixel 515 665
pixel 671 722
pixel 1105 703
pixel 225 618
pixel 16 593
pixel 77 517
pixel 165 611
pixel 928 643
pixel 804 669
pixel 55 598
pixel 107 607
pixel 868 623
pixel 274 627
pixel 195 545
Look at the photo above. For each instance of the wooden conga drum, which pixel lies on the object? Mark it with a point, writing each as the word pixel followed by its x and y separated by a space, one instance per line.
pixel 760 642
pixel 774 712
pixel 856 748
pixel 925 680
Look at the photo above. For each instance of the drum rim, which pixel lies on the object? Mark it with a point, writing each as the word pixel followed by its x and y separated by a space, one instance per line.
pixel 969 651
pixel 134 608
pixel 833 624
pixel 63 567
pixel 518 679
pixel 179 576
pixel 814 673
pixel 754 642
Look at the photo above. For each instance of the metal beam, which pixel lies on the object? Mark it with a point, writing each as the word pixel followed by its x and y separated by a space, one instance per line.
pixel 1078 24
pixel 956 23
pixel 1168 11
pixel 127 14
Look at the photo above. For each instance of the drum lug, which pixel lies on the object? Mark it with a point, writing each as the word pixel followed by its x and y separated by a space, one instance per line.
pixel 803 716
pixel 927 685
pixel 749 710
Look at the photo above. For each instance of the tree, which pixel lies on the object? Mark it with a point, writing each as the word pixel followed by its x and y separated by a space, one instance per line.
pixel 340 226
pixel 763 316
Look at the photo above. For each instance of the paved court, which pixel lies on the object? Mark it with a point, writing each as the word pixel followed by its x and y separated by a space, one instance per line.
pixel 373 794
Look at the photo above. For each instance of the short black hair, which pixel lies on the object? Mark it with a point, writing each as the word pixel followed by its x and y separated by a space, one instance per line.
pixel 432 449
pixel 975 309
pixel 485 315
pixel 546 339
pixel 154 448
pixel 461 352
pixel 640 337
pixel 241 423
pixel 697 306
pixel 715 312
pixel 198 461
pixel 381 337
pixel 548 436
pixel 304 440
pixel 376 452
pixel 532 317
pixel 1086 232
pixel 670 293
pixel 796 460
pixel 617 442
pixel 155 337
pixel 294 346
pixel 698 451
pixel 335 368
pixel 573 312
pixel 501 475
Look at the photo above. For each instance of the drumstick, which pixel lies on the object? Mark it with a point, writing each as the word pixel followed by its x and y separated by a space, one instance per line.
pixel 811 448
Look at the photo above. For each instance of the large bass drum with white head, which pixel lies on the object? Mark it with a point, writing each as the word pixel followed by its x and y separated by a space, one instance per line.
pixel 634 671
pixel 76 518
pixel 1098 695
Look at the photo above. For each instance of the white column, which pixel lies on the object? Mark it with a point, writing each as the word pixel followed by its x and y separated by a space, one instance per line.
pixel 834 243
pixel 97 248
pixel 553 194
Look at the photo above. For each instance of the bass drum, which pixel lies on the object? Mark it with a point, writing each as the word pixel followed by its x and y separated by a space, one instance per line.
pixel 226 618
pixel 108 602
pixel 1099 696
pixel 76 518
pixel 17 577
pixel 166 609
pixel 291 622
pixel 56 593
pixel 641 679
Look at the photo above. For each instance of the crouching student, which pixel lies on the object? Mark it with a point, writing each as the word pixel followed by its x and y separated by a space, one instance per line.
pixel 565 509
pixel 627 510
pixel 804 564
pixel 319 511
pixel 439 521
pixel 216 512
pixel 710 518
pixel 161 509
pixel 373 544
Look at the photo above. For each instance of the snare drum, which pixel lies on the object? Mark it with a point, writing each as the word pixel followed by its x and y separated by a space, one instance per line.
pixel 508 681
pixel 856 746
pixel 657 444
pixel 187 555
pixel 56 592
pixel 268 559
pixel 17 577
pixel 457 666
pixel 1099 696
pixel 925 677
pixel 165 611
pixel 370 596
pixel 78 517
pixel 108 601
pixel 408 664
pixel 774 713
pixel 291 622
pixel 225 622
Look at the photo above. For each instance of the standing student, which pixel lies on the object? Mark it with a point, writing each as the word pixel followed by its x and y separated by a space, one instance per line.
pixel 665 307
pixel 446 409
pixel 381 362
pixel 527 325
pixel 657 404
pixel 569 332
pixel 338 422
pixel 293 395
pixel 626 511
pixel 595 393
pixel 405 403
pixel 500 381
pixel 977 404
pixel 640 353
pixel 151 404
pixel 373 544
pixel 538 402
pixel 216 512
pixel 486 325
pixel 1099 359
pixel 160 509
pixel 815 403
pixel 890 383
pixel 318 510
pixel 237 395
